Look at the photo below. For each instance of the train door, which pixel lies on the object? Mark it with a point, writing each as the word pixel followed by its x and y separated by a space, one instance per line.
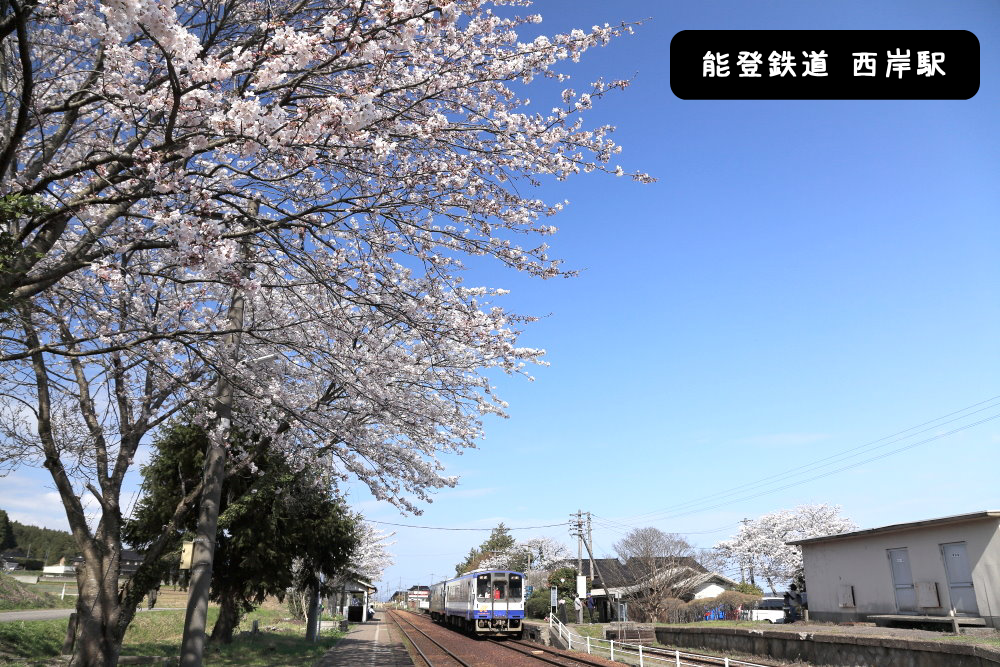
pixel 501 605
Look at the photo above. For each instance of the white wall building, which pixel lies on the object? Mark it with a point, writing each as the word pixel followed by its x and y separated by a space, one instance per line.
pixel 923 568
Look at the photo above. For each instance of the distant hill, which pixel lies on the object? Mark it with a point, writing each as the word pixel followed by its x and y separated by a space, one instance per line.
pixel 41 543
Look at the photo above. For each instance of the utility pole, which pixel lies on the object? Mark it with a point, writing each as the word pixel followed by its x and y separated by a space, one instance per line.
pixel 578 526
pixel 612 610
pixel 590 548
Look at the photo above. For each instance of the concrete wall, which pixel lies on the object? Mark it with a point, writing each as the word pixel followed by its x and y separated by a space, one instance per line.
pixel 862 562
pixel 835 650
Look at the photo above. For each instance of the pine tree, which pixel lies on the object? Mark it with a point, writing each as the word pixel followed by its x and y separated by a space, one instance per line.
pixel 271 515
pixel 499 541
pixel 7 540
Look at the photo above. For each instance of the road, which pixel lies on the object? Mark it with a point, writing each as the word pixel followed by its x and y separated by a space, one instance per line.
pixel 52 614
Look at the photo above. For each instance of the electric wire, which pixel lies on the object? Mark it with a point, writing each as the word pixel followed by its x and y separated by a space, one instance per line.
pixel 825 462
pixel 405 525
pixel 829 472
pixel 833 459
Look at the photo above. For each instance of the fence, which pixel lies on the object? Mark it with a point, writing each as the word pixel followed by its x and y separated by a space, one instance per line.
pixel 632 654
pixel 62 589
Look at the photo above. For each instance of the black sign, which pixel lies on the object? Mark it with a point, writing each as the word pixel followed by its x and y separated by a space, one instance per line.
pixel 824 64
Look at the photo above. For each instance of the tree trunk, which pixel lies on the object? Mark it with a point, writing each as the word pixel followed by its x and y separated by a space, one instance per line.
pixel 98 638
pixel 193 643
pixel 225 625
pixel 312 618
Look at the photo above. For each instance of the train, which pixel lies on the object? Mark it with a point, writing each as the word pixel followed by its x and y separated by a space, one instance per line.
pixel 481 602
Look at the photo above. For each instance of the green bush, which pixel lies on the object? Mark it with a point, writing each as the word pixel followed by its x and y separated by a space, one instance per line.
pixel 678 611
pixel 537 606
pixel 749 589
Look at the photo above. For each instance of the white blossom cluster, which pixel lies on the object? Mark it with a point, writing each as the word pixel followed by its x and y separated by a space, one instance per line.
pixel 328 165
pixel 760 548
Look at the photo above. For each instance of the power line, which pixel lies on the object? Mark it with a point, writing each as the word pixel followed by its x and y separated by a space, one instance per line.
pixel 828 461
pixel 835 471
pixel 405 525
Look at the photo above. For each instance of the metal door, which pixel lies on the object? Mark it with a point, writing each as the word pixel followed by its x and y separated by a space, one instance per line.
pixel 902 580
pixel 960 589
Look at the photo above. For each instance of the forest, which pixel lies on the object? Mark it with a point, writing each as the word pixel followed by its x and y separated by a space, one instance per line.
pixel 32 543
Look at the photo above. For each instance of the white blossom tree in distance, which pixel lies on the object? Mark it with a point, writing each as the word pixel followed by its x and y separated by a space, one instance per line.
pixel 759 549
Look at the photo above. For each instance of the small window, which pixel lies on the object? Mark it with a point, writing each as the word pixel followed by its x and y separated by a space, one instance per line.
pixel 515 587
pixel 483 587
pixel 499 590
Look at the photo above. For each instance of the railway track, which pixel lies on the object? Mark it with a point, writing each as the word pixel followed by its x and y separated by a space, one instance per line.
pixel 530 654
pixel 538 652
pixel 442 656
pixel 434 653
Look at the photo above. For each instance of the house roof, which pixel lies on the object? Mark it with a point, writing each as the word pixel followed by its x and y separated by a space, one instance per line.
pixel 612 569
pixel 612 573
pixel 896 527
pixel 692 583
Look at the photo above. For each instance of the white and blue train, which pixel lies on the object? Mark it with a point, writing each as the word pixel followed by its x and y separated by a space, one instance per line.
pixel 483 602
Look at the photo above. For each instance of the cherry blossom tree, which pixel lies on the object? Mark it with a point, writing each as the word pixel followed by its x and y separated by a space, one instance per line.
pixel 371 557
pixel 760 547
pixel 660 566
pixel 539 554
pixel 266 206
pixel 153 123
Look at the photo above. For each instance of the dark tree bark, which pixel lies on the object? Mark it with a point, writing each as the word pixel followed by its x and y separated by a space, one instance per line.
pixel 225 625
pixel 312 618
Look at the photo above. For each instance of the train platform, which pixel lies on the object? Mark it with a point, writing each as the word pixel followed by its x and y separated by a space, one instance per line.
pixel 375 643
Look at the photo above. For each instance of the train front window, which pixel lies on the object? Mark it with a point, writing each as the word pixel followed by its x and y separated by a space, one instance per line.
pixel 483 590
pixel 515 587
pixel 499 589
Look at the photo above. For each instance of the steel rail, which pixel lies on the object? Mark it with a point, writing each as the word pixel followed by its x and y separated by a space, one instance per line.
pixel 531 650
pixel 396 617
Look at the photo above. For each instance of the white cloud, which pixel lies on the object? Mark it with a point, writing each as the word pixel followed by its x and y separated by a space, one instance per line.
pixel 30 500
pixel 29 497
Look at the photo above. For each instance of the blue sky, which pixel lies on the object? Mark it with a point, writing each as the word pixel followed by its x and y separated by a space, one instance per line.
pixel 805 278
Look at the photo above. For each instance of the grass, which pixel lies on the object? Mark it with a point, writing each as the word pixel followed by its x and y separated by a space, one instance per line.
pixel 30 642
pixel 280 642
pixel 14 596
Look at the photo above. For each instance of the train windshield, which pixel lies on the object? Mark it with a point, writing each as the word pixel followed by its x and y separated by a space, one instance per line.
pixel 515 586
pixel 483 587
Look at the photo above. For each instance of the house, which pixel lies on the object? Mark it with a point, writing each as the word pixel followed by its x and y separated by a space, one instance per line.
pixel 60 570
pixel 128 564
pixel 353 597
pixel 918 571
pixel 615 583
pixel 418 597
